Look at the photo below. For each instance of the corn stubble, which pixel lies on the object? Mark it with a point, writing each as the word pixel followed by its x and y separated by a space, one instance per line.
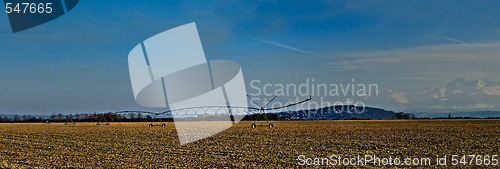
pixel 135 145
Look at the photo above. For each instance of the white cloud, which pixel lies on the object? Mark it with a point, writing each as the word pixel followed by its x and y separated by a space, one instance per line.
pixel 439 63
pixel 457 92
pixel 399 96
pixel 442 90
pixel 492 90
pixel 482 106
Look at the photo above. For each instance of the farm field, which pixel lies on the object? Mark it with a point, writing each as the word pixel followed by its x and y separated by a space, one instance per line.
pixel 135 145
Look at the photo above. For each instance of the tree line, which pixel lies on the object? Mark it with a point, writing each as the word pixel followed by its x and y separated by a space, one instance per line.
pixel 113 117
pixel 139 117
pixel 84 117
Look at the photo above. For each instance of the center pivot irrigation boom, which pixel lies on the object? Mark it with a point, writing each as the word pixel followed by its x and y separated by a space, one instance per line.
pixel 261 110
pixel 203 110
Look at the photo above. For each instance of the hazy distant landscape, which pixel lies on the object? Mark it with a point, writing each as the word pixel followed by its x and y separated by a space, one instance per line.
pixel 326 113
pixel 461 96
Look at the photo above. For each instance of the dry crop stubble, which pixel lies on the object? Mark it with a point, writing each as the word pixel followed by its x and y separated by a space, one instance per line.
pixel 126 145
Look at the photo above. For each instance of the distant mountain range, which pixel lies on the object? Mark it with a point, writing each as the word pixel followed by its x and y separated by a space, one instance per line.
pixel 459 98
pixel 339 112
pixel 460 95
pixel 344 112
pixel 477 114
pixel 334 113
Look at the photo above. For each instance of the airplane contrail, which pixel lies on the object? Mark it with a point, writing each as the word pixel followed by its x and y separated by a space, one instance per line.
pixel 462 42
pixel 292 48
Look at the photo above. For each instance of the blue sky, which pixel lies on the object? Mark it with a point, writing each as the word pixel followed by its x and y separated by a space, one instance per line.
pixel 78 62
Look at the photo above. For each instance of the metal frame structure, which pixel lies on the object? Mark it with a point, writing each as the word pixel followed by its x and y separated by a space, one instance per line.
pixel 69 121
pixel 159 119
pixel 263 109
pixel 203 110
pixel 102 118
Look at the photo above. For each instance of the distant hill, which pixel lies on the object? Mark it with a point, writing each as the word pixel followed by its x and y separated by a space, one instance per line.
pixel 326 113
pixel 348 112
pixel 476 114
